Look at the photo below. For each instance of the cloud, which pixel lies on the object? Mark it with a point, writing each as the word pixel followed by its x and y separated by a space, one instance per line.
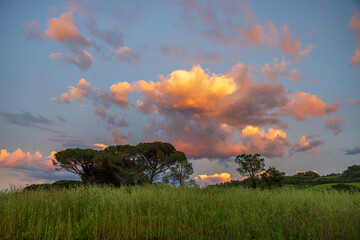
pixel 64 30
pixel 113 39
pixel 215 21
pixel 279 69
pixel 354 25
pixel 118 137
pixel 268 144
pixel 287 44
pixel 114 122
pixel 32 30
pixel 302 105
pixel 100 145
pixel 355 150
pixel 208 114
pixel 21 159
pixel 306 144
pixel 195 56
pixel 216 178
pixel 354 102
pixel 83 59
pixel 127 55
pixel 26 119
pixel 335 125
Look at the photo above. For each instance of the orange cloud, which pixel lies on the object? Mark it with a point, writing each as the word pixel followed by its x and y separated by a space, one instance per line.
pixel 279 69
pixel 216 178
pixel 100 145
pixel 64 30
pixel 301 105
pixel 306 144
pixel 119 93
pixel 254 34
pixel 355 60
pixel 193 89
pixel 21 159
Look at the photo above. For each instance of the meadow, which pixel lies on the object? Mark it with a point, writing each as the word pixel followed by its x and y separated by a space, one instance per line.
pixel 168 212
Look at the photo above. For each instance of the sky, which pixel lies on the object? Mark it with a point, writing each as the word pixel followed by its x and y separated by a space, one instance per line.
pixel 214 78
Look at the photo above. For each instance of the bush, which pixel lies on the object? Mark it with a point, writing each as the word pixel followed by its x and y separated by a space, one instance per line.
pixel 344 187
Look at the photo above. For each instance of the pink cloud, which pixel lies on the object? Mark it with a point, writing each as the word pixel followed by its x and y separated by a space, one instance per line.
pixel 306 144
pixel 279 69
pixel 354 25
pixel 302 105
pixel 289 45
pixel 100 145
pixel 335 124
pixel 21 159
pixel 64 30
pixel 32 30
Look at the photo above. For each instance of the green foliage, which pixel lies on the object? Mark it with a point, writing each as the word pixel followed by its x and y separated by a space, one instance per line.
pixel 126 164
pixel 250 165
pixel 272 178
pixel 180 172
pixel 56 185
pixel 165 212
pixel 76 160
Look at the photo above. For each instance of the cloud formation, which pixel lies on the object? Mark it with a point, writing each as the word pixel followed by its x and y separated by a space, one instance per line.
pixel 216 178
pixel 212 20
pixel 65 30
pixel 335 124
pixel 21 159
pixel 206 114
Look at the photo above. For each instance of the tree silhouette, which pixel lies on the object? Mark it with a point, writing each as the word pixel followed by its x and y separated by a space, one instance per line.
pixel 250 165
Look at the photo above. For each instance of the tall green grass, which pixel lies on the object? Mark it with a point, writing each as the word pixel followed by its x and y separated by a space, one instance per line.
pixel 164 212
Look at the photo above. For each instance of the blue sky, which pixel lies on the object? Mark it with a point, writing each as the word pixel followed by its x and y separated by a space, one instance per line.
pixel 216 79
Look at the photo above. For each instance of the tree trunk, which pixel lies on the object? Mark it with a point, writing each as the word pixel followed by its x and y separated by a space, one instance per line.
pixel 253 181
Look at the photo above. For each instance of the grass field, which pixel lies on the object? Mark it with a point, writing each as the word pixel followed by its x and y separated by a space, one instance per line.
pixel 164 212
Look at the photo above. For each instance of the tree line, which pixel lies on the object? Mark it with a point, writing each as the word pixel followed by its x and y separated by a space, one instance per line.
pixel 144 163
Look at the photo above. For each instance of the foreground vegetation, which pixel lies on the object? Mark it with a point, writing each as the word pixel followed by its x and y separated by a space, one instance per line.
pixel 167 212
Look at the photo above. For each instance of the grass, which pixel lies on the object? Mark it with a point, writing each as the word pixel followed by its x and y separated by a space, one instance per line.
pixel 164 212
pixel 328 186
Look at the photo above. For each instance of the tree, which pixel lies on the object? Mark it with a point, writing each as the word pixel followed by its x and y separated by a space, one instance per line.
pixel 116 165
pixel 272 177
pixel 76 160
pixel 180 172
pixel 157 158
pixel 250 165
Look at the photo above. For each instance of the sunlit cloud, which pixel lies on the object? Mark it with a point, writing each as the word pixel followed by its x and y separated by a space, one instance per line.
pixel 21 159
pixel 302 105
pixel 64 30
pixel 306 144
pixel 100 145
pixel 216 178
